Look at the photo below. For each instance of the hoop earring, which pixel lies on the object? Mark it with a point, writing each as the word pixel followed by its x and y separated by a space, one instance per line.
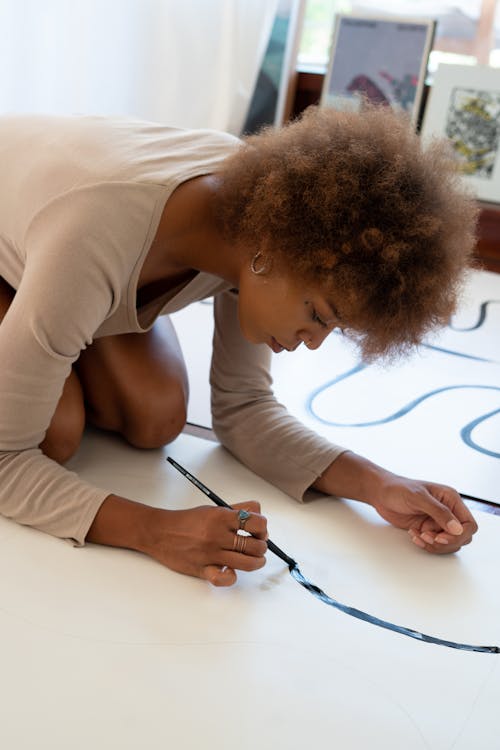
pixel 258 271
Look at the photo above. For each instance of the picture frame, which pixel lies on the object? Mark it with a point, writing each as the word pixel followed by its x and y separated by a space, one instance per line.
pixel 379 57
pixel 271 101
pixel 464 106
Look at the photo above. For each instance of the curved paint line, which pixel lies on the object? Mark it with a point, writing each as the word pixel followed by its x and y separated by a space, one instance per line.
pixel 481 319
pixel 457 354
pixel 466 432
pixel 396 415
pixel 297 574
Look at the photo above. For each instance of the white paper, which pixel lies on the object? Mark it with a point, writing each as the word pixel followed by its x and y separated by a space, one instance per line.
pixel 106 648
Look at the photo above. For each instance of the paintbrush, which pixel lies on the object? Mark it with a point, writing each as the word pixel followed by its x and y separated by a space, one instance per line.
pixel 222 503
pixel 296 573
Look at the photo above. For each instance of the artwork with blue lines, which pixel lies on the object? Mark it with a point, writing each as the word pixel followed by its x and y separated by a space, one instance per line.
pixel 435 415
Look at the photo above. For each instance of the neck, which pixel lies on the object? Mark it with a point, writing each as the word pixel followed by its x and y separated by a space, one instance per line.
pixel 189 239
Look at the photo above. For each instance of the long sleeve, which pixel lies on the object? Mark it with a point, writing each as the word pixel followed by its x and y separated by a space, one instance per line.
pixel 81 199
pixel 247 418
pixel 71 283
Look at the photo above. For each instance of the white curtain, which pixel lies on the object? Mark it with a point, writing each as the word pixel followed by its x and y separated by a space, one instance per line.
pixel 186 63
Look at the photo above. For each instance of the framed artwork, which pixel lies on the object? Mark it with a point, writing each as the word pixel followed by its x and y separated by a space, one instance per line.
pixel 381 58
pixel 464 106
pixel 271 99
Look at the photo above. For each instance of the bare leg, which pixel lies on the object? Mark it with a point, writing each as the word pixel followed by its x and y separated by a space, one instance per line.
pixel 133 384
pixel 136 385
pixel 64 435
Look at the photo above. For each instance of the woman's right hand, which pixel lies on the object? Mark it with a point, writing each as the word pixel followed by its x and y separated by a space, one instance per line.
pixel 200 542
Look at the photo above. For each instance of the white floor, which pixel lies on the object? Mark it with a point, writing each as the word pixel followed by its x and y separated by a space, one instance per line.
pixel 435 416
pixel 107 649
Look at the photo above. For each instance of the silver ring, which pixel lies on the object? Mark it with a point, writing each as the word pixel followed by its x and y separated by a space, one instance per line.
pixel 240 543
pixel 243 516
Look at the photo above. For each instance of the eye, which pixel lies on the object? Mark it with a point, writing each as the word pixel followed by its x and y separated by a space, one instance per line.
pixel 317 319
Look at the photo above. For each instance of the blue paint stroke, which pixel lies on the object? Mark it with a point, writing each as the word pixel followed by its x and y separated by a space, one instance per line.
pixel 465 432
pixel 481 318
pixel 456 354
pixel 296 573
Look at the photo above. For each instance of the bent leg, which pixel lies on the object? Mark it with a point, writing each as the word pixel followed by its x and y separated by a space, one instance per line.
pixel 64 435
pixel 136 384
pixel 66 427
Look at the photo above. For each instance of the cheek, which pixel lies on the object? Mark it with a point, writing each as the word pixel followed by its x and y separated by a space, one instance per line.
pixel 257 312
pixel 247 317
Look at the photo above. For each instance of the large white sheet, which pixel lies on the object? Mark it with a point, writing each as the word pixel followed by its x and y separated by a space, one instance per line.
pixel 105 648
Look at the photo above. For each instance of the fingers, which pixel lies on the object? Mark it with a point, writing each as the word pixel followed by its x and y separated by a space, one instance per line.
pixel 247 563
pixel 440 543
pixel 442 515
pixel 225 575
pixel 240 544
pixel 219 575
pixel 451 499
pixel 255 524
pixel 450 524
pixel 437 548
pixel 207 542
pixel 246 545
pixel 242 551
pixel 251 505
pixel 430 537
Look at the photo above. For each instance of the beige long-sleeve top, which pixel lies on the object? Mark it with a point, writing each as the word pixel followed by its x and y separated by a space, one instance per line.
pixel 80 203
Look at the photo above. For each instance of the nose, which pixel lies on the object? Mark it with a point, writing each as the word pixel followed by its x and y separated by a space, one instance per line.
pixel 315 342
pixel 312 340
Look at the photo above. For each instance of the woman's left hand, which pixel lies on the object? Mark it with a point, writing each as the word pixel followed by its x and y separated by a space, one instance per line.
pixel 435 516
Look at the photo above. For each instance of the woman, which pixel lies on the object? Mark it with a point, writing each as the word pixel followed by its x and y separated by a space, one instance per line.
pixel 336 221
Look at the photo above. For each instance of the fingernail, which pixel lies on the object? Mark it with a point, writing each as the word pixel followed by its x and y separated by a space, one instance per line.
pixel 418 542
pixel 442 540
pixel 454 527
pixel 427 538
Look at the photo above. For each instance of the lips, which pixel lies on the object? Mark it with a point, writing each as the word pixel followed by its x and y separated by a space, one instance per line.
pixel 276 346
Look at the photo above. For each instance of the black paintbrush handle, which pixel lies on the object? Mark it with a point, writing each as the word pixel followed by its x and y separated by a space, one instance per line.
pixel 320 594
pixel 222 503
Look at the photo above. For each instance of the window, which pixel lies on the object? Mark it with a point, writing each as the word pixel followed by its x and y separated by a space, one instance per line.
pixel 468 31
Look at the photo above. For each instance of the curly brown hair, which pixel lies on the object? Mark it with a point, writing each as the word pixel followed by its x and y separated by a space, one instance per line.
pixel 356 203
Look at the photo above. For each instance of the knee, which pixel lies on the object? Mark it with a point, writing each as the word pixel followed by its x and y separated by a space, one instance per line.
pixel 65 431
pixel 63 438
pixel 157 421
pixel 60 448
